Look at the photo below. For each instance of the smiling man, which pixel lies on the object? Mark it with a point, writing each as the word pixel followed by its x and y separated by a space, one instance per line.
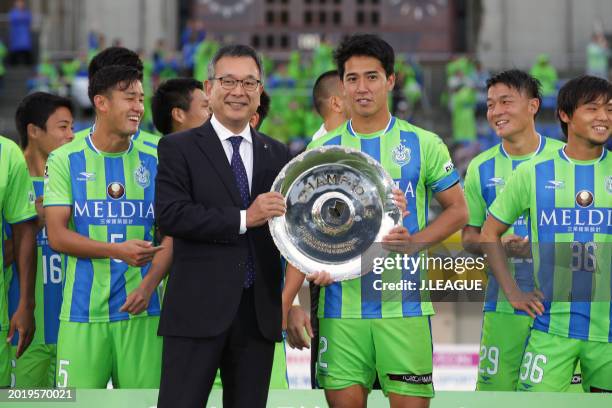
pixel 567 194
pixel 98 202
pixel 361 333
pixel 513 101
pixel 222 306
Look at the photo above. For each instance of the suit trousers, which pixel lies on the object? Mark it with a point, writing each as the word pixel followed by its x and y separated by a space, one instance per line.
pixel 244 356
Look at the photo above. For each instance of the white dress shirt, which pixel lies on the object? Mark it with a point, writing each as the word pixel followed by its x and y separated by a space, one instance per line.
pixel 246 154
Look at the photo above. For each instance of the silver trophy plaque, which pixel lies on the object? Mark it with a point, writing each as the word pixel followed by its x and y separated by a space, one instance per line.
pixel 339 203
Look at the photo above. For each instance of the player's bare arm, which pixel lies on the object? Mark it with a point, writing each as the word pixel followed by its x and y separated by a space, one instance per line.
pixel 138 300
pixel 24 241
pixel 453 217
pixel 470 239
pixel 493 248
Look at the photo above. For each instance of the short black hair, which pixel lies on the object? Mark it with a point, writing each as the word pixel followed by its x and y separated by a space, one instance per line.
pixel 235 50
pixel 580 91
pixel 173 93
pixel 110 77
pixel 263 108
pixel 114 56
pixel 365 45
pixel 36 109
pixel 519 80
pixel 323 89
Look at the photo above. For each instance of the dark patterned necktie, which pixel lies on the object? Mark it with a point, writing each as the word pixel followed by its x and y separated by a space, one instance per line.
pixel 242 182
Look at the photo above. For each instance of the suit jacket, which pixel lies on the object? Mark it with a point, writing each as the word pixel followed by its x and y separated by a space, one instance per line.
pixel 198 203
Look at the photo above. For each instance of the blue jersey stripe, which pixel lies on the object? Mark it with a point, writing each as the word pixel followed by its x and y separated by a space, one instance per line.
pixel 580 310
pixel 334 141
pixel 52 290
pixel 333 300
pixel 411 299
pixel 411 172
pixel 150 163
pixel 371 299
pixel 487 172
pixel 52 294
pixel 545 198
pixel 83 276
pixel 81 290
pixel 116 233
pixel 79 188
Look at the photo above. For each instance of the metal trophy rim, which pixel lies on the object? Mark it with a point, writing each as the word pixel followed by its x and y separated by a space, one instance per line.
pixel 342 270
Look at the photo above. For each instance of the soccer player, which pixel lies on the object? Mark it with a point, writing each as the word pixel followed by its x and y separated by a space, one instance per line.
pixel 568 196
pixel 513 101
pixel 179 104
pixel 118 56
pixel 99 211
pixel 44 123
pixel 16 209
pixel 329 103
pixel 360 334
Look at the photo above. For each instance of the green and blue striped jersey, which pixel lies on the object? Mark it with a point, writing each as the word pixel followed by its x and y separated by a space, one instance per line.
pixel 419 163
pixel 144 137
pixel 111 196
pixel 16 205
pixel 570 207
pixel 486 177
pixel 48 289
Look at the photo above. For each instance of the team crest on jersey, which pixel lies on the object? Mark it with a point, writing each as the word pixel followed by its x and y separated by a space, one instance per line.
pixel 401 155
pixel 609 184
pixel 115 190
pixel 142 176
pixel 31 197
pixel 584 198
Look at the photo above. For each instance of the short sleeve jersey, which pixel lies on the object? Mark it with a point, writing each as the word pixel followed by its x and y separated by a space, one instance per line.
pixel 420 164
pixel 570 206
pixel 111 198
pixel 48 289
pixel 16 204
pixel 486 177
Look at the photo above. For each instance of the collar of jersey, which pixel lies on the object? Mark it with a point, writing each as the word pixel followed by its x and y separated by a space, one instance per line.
pixel 133 137
pixel 349 127
pixel 525 156
pixel 582 162
pixel 107 154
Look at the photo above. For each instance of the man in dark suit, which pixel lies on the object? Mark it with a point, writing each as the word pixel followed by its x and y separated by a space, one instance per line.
pixel 222 307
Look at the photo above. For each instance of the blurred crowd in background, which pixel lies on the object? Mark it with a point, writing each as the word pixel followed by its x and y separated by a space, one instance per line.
pixel 292 118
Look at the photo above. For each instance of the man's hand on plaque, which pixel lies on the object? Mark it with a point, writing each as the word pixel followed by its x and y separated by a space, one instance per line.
pixel 265 206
